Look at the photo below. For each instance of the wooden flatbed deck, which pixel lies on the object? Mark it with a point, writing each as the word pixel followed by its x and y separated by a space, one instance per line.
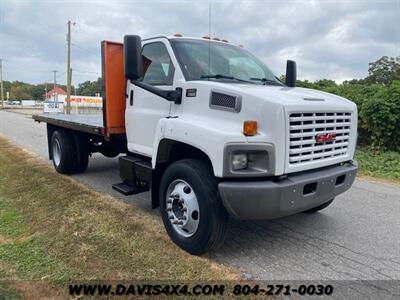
pixel 89 123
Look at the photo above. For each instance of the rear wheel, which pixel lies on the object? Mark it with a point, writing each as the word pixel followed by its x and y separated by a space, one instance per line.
pixel 82 153
pixel 63 148
pixel 191 209
pixel 318 208
pixel 70 152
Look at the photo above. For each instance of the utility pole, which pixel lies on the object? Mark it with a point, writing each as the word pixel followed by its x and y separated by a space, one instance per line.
pixel 1 83
pixel 45 91
pixel 55 84
pixel 69 70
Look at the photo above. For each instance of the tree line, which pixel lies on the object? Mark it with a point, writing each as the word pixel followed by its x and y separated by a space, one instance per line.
pixel 377 97
pixel 19 90
pixel 378 101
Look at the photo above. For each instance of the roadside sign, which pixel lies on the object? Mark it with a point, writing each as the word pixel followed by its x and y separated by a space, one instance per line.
pixel 53 107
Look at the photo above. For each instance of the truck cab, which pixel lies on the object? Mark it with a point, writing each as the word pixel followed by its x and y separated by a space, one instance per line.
pixel 214 133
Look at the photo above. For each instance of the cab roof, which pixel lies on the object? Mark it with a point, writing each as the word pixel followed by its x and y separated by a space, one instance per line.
pixel 172 37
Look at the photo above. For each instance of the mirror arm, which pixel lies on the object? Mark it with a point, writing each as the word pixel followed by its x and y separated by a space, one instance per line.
pixel 174 95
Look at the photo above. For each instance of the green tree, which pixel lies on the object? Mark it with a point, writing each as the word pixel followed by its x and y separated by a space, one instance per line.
pixel 90 88
pixel 20 90
pixel 38 91
pixel 384 70
pixel 381 115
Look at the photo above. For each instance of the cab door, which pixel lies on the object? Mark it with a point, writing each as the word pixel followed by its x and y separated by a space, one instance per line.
pixel 145 109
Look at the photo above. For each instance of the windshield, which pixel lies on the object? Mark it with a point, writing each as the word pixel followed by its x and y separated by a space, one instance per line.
pixel 204 60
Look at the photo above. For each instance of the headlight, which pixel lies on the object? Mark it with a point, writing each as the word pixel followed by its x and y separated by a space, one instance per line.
pixel 239 161
pixel 249 160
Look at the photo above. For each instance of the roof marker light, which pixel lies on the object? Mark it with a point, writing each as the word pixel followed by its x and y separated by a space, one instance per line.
pixel 178 34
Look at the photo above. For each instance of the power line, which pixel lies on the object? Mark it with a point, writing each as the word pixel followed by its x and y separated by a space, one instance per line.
pixel 24 69
pixel 90 72
pixel 58 76
pixel 85 49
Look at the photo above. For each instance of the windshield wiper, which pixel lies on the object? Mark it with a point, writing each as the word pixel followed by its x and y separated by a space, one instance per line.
pixel 266 81
pixel 222 76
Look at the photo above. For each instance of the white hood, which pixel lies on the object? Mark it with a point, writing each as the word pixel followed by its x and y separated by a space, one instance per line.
pixel 274 107
pixel 288 96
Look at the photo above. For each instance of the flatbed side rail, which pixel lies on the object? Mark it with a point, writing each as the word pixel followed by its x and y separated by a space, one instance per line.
pixel 78 126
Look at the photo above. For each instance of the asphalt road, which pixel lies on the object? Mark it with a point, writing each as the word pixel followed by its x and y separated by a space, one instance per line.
pixel 357 237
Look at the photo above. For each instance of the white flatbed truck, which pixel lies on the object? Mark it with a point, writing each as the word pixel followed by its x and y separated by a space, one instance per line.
pixel 213 133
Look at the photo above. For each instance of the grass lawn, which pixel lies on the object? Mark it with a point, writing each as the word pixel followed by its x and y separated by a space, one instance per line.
pixel 384 165
pixel 53 230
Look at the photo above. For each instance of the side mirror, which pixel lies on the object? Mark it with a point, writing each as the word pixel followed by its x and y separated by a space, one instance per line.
pixel 291 73
pixel 133 57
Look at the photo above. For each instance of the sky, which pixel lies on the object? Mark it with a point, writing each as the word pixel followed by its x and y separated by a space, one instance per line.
pixel 328 39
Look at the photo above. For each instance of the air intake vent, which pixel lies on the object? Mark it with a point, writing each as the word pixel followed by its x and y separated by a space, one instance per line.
pixel 225 102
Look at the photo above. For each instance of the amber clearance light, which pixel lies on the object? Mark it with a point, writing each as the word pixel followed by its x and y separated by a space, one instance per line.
pixel 250 128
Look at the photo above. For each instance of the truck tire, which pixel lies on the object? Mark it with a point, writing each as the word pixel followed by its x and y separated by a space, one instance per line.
pixel 318 208
pixel 190 205
pixel 63 150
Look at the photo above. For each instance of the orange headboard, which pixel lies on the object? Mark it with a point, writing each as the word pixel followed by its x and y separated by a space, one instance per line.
pixel 114 87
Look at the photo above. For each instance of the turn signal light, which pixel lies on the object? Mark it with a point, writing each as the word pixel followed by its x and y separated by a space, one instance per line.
pixel 250 128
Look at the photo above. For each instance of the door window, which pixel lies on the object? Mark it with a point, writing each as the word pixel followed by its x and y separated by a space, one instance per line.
pixel 157 65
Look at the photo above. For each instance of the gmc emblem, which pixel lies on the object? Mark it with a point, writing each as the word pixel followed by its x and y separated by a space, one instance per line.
pixel 325 137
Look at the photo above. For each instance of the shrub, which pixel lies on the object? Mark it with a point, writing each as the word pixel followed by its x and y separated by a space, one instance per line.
pixel 381 114
pixel 378 110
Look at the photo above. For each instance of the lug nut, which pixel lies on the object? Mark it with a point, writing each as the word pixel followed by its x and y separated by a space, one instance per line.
pixel 171 217
pixel 168 209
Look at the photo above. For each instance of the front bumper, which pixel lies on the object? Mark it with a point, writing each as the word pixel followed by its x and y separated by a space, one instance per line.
pixel 296 193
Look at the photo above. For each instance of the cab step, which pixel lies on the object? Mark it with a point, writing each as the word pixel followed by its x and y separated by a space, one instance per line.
pixel 136 175
pixel 127 189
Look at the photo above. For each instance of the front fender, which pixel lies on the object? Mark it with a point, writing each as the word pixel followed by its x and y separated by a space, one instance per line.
pixel 205 135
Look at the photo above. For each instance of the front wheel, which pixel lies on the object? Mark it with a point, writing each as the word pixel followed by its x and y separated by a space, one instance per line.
pixel 191 209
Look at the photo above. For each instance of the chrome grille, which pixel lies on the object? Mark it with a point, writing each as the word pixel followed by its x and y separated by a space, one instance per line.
pixel 303 129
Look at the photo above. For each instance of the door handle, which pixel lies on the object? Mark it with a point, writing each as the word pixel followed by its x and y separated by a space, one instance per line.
pixel 131 98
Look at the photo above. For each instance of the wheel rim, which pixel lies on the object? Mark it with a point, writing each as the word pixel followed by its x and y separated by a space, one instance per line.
pixel 182 208
pixel 56 152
